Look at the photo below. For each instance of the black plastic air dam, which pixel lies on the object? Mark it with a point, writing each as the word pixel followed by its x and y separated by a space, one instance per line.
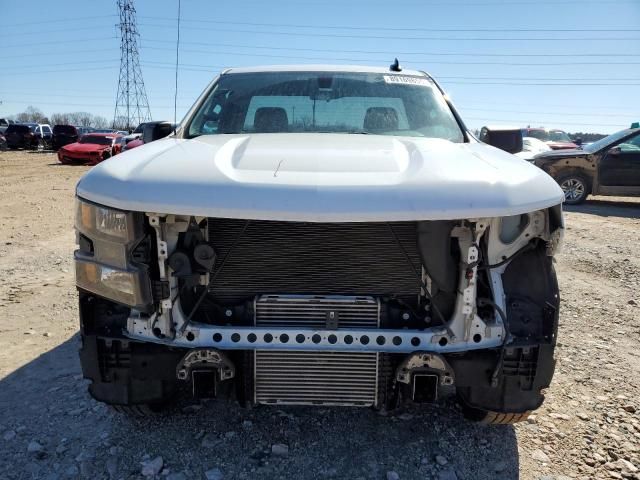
pixel 129 373
pixel 518 390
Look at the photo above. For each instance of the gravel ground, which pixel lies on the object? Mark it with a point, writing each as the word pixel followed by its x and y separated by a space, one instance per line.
pixel 589 427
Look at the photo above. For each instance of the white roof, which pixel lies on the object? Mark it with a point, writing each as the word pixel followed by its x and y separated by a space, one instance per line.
pixel 322 68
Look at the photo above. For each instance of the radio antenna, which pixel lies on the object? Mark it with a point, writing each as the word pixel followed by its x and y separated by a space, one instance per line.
pixel 175 97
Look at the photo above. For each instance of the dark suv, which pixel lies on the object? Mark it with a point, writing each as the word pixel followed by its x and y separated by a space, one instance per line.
pixel 610 166
pixel 20 136
pixel 66 134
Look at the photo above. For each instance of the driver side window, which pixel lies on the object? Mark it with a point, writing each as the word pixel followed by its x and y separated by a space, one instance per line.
pixel 631 145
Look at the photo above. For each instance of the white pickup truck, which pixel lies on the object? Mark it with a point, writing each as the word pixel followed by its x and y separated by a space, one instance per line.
pixel 319 235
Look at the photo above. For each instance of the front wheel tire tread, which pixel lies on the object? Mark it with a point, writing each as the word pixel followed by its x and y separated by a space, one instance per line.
pixel 497 418
pixel 140 411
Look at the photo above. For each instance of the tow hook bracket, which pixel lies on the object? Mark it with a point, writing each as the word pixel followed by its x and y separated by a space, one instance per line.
pixel 202 359
pixel 425 388
pixel 423 363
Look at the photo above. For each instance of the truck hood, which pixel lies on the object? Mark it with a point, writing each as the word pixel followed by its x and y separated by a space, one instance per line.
pixel 320 177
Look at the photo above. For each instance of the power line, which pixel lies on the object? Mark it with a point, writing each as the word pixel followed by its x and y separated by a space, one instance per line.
pixel 393 52
pixel 48 54
pixel 563 114
pixel 538 122
pixel 82 104
pixel 62 64
pixel 474 3
pixel 386 37
pixel 55 42
pixel 398 29
pixel 360 60
pixel 66 70
pixel 47 32
pixel 60 20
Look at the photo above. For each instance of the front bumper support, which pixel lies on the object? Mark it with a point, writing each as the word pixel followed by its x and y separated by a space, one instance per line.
pixel 353 340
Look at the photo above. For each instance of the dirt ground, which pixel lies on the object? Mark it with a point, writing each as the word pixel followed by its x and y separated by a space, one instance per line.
pixel 589 426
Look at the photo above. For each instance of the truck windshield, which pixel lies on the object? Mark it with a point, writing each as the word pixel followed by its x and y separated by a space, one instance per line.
pixel 331 102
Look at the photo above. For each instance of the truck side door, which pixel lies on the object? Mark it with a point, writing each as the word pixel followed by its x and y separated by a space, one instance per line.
pixel 620 165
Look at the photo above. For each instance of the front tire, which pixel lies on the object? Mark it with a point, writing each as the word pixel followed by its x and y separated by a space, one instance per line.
pixel 575 187
pixel 488 417
pixel 145 410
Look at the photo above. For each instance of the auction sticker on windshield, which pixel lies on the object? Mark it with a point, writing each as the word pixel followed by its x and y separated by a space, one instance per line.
pixel 406 80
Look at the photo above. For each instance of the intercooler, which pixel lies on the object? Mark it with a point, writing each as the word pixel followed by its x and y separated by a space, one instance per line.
pixel 316 378
pixel 317 275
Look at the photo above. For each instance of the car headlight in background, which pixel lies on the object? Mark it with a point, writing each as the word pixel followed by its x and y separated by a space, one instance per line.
pixel 107 237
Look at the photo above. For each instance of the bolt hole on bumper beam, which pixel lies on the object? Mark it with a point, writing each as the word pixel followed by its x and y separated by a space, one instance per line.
pixel 370 340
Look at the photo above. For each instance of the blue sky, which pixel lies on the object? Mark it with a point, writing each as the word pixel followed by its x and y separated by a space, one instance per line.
pixel 571 64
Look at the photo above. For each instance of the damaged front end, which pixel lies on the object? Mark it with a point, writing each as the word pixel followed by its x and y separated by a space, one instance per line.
pixel 362 314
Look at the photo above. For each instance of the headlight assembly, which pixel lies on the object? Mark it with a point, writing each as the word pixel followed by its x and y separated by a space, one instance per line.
pixel 103 262
pixel 129 287
pixel 107 223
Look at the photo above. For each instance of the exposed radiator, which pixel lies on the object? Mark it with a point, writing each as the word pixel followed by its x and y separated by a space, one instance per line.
pixel 316 311
pixel 316 378
pixel 273 257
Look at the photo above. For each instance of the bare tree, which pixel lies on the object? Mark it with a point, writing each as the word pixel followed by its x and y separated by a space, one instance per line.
pixel 99 121
pixel 60 118
pixel 31 115
pixel 85 119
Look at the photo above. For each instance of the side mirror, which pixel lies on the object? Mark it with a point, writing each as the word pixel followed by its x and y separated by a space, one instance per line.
pixel 156 131
pixel 578 141
pixel 507 139
pixel 615 151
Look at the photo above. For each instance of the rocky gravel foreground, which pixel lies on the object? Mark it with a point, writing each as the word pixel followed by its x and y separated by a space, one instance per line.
pixel 589 427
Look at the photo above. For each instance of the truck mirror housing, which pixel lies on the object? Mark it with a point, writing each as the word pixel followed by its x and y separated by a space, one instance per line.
pixel 505 138
pixel 156 131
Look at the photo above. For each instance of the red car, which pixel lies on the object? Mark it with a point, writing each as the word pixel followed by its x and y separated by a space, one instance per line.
pixel 134 143
pixel 556 139
pixel 92 148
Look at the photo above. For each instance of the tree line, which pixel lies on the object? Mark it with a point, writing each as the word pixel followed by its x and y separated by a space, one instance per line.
pixel 85 119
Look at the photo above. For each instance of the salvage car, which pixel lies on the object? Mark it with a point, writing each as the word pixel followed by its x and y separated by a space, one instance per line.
pixel 610 166
pixel 4 124
pixel 532 147
pixel 28 135
pixel 556 139
pixel 150 131
pixel 92 148
pixel 319 235
pixel 66 134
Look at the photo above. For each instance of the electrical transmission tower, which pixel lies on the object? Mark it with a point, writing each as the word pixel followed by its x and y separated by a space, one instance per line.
pixel 132 106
